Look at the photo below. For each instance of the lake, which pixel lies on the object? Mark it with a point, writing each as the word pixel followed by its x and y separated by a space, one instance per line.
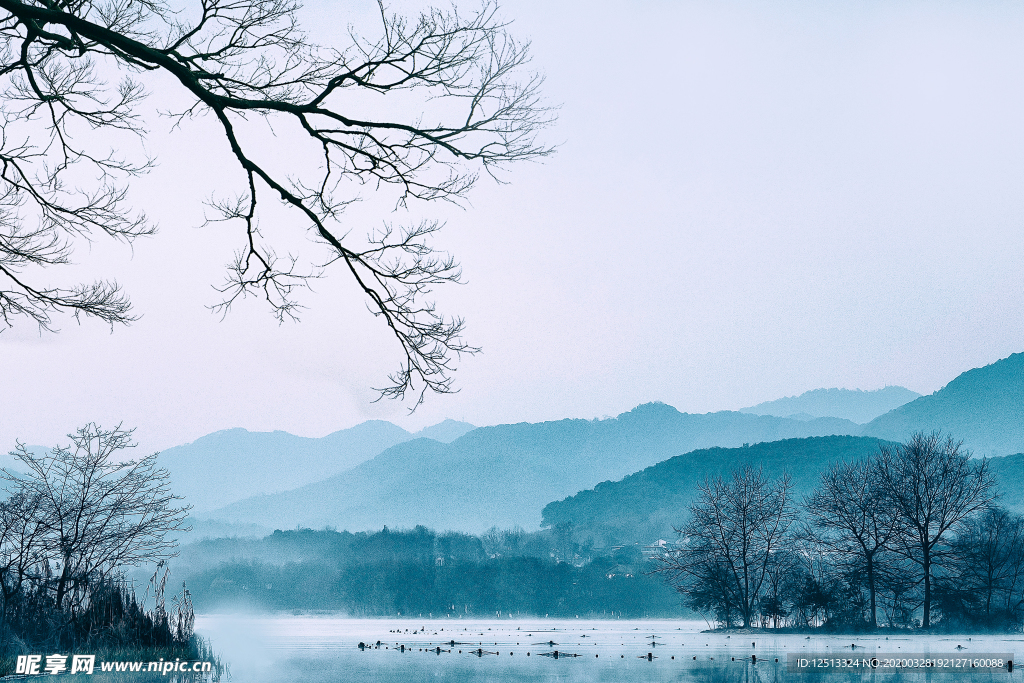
pixel 325 649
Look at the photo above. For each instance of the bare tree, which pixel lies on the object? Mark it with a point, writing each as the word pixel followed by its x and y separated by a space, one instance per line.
pixel 933 486
pixel 334 113
pixel 854 521
pixel 783 566
pixel 983 583
pixel 21 533
pixel 91 515
pixel 737 529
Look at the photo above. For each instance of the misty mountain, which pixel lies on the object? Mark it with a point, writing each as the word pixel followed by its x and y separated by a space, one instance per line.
pixel 504 475
pixel 201 529
pixel 1009 472
pixel 233 464
pixel 984 407
pixel 645 506
pixel 854 405
pixel 12 464
pixel 445 432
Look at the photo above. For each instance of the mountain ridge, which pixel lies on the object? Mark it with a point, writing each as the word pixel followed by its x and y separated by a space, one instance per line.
pixel 855 405
pixel 503 475
pixel 983 406
pixel 233 464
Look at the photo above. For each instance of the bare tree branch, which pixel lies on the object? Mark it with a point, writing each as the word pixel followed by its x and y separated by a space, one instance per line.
pixel 473 108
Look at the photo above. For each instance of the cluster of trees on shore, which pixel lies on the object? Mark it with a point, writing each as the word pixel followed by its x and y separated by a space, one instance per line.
pixel 73 519
pixel 910 537
pixel 418 571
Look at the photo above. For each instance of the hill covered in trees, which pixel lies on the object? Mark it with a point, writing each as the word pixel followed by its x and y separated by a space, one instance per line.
pixel 984 407
pixel 649 504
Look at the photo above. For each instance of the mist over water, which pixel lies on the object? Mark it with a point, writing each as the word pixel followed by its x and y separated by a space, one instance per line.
pixel 324 649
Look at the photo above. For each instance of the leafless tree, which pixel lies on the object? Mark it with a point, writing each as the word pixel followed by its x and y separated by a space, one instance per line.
pixel 737 529
pixel 984 580
pixel 933 486
pixel 90 514
pixel 781 569
pixel 74 73
pixel 854 521
pixel 21 533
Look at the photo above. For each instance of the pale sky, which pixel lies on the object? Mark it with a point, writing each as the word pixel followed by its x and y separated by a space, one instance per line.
pixel 750 200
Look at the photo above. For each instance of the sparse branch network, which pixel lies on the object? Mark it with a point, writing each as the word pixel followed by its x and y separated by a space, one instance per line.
pixel 78 515
pixel 475 110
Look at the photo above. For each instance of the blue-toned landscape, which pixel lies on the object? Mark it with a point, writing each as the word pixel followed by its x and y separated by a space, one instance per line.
pixel 647 328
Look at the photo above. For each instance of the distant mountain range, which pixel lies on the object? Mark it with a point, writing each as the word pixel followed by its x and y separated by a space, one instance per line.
pixel 377 474
pixel 851 404
pixel 233 464
pixel 984 407
pixel 503 476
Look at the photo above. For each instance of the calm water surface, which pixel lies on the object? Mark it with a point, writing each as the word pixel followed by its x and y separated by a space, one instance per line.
pixel 324 649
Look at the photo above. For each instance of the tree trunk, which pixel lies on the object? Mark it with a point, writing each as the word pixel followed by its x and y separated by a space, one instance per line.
pixel 926 617
pixel 62 583
pixel 871 589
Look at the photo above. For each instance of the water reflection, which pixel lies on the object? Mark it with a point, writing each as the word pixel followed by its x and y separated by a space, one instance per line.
pixel 311 649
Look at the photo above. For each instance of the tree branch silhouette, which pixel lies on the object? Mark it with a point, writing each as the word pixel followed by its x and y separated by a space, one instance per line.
pixel 473 109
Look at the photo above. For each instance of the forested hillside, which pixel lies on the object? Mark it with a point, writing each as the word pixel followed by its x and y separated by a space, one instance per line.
pixel 984 407
pixel 647 505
